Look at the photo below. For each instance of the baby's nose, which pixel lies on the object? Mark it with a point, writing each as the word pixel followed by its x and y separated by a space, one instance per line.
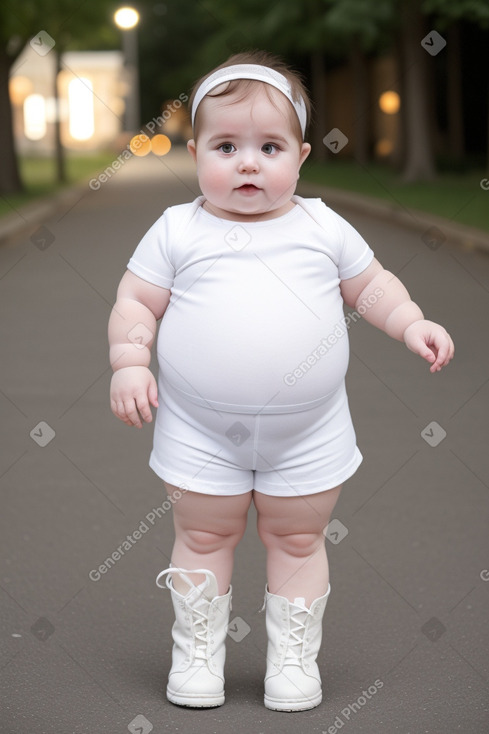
pixel 248 163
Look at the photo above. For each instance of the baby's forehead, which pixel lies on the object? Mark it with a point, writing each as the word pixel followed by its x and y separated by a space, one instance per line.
pixel 245 98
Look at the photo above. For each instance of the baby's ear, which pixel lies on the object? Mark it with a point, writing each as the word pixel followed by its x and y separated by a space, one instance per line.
pixel 192 149
pixel 305 150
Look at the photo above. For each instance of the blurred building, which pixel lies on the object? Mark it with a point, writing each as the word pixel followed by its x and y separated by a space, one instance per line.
pixel 91 92
pixel 383 106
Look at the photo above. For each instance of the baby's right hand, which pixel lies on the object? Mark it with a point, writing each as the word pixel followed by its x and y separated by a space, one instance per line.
pixel 132 391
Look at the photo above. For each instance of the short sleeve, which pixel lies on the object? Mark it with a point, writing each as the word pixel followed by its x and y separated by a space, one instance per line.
pixel 340 241
pixel 355 254
pixel 152 259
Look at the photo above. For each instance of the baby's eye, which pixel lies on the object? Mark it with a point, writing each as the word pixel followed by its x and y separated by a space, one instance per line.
pixel 227 148
pixel 269 148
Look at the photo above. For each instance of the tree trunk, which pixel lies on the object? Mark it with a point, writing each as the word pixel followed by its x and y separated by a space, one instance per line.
pixel 419 146
pixel 454 95
pixel 58 146
pixel 318 84
pixel 10 181
pixel 487 153
pixel 358 65
pixel 399 154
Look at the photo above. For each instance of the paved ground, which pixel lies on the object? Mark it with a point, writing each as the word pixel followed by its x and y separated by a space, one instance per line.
pixel 405 633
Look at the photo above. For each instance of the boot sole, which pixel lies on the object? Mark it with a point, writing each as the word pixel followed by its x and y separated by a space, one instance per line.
pixel 302 705
pixel 195 701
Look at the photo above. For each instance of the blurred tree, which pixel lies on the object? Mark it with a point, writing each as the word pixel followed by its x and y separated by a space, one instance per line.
pixel 170 35
pixel 314 34
pixel 419 160
pixel 311 35
pixel 361 27
pixel 84 26
pixel 448 15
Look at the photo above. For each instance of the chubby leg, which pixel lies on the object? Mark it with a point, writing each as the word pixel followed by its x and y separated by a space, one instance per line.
pixel 207 530
pixel 291 528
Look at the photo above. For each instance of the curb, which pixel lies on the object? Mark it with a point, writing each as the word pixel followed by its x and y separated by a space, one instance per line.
pixel 433 229
pixel 27 218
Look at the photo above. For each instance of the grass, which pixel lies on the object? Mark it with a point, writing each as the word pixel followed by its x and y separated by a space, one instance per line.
pixel 458 197
pixel 39 177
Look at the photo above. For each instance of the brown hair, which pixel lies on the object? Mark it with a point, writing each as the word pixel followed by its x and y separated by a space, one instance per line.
pixel 262 58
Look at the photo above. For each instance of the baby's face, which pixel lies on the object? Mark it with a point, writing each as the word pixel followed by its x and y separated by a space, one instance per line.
pixel 248 155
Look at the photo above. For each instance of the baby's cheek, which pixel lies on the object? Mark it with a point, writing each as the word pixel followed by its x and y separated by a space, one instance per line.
pixel 214 180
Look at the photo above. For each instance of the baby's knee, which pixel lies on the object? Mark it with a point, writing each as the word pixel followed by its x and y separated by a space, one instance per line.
pixel 294 544
pixel 204 541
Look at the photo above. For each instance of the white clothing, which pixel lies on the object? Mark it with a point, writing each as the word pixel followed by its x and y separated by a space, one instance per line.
pixel 255 322
pixel 284 455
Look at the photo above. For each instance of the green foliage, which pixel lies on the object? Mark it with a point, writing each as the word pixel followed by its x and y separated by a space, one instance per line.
pixel 300 28
pixel 361 19
pixel 80 25
pixel 449 11
pixel 170 38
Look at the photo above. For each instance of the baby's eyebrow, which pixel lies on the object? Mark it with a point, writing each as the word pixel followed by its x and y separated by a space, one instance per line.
pixel 233 136
pixel 278 138
pixel 222 136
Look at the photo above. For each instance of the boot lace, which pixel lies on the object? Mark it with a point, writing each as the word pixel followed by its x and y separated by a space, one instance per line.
pixel 295 643
pixel 197 608
pixel 200 627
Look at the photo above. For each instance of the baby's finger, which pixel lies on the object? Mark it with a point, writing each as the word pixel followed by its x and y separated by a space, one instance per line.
pixel 426 351
pixel 452 348
pixel 153 394
pixel 118 410
pixel 143 408
pixel 130 411
pixel 444 354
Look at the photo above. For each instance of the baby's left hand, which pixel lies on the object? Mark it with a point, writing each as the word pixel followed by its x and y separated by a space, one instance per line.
pixel 431 341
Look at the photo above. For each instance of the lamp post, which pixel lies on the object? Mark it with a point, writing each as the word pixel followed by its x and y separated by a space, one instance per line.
pixel 127 19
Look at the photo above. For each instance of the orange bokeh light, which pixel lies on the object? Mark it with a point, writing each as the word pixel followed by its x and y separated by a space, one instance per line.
pixel 140 145
pixel 160 144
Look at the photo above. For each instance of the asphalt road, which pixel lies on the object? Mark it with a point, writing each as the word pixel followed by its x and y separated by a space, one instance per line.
pixel 405 632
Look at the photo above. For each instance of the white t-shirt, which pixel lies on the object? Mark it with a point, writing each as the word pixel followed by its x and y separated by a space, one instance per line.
pixel 255 321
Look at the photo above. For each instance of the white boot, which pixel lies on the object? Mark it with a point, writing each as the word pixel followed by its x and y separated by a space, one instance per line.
pixel 199 633
pixel 292 681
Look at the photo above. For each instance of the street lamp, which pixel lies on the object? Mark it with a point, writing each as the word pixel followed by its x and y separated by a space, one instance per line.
pixel 127 19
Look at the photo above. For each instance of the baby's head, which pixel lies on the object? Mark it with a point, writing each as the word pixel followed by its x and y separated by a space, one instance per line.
pixel 243 87
pixel 249 118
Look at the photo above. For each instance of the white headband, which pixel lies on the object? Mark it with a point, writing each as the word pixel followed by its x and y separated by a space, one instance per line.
pixel 257 73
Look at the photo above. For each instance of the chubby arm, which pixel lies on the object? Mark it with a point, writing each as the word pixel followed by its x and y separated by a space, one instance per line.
pixel 132 329
pixel 384 302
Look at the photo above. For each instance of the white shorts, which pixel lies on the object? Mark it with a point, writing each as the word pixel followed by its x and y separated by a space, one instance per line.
pixel 285 455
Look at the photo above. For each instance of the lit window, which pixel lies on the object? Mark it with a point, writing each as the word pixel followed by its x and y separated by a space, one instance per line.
pixel 80 103
pixel 34 117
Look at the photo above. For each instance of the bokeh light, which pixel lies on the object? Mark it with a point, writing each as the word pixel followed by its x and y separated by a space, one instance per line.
pixel 389 102
pixel 126 18
pixel 19 87
pixel 160 144
pixel 140 145
pixel 384 147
